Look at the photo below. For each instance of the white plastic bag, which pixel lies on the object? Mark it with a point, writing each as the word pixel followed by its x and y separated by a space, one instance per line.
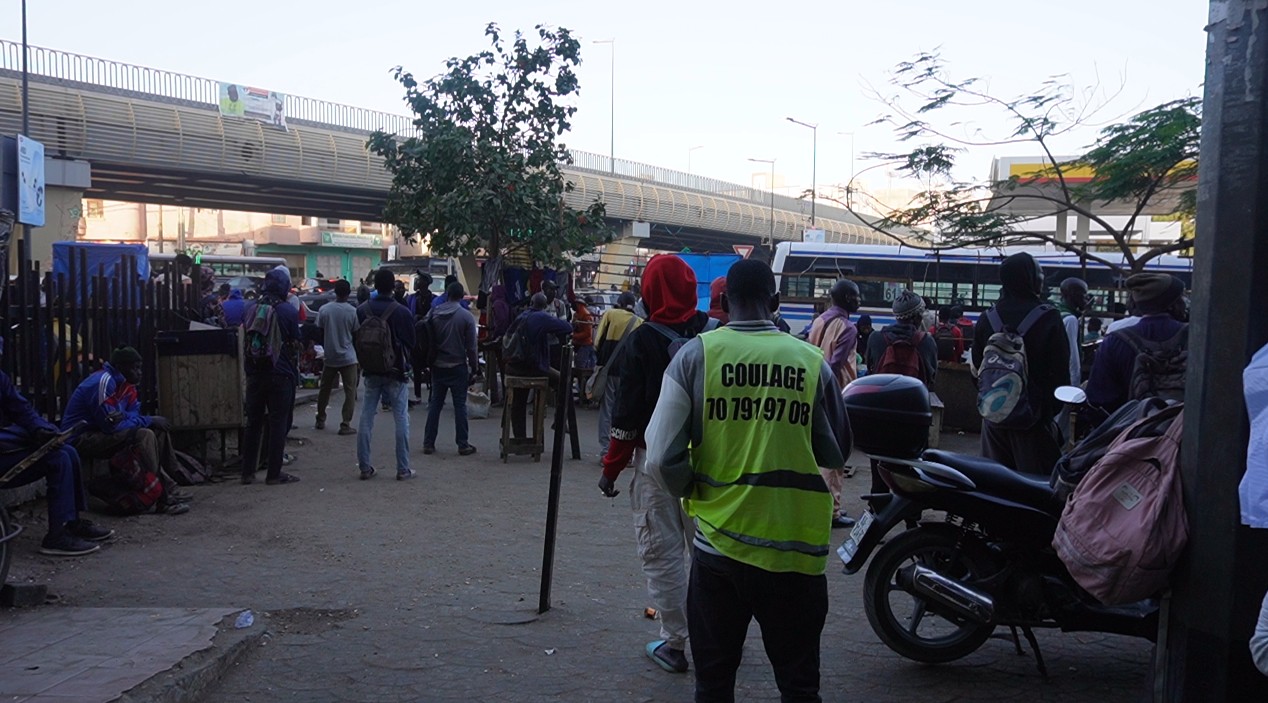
pixel 1254 486
pixel 477 405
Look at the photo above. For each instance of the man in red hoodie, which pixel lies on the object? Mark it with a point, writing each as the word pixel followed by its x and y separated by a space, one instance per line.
pixel 663 530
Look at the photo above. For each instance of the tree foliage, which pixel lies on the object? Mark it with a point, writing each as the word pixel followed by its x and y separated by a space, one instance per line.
pixel 483 169
pixel 1136 161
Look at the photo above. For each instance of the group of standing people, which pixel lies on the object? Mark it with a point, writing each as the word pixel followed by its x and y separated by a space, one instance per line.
pixel 734 493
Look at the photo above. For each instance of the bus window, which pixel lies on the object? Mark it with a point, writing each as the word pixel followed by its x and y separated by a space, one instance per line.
pixel 940 293
pixel 802 286
pixel 879 293
pixel 987 294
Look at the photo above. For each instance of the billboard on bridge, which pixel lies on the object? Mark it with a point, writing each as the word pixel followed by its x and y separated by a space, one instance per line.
pixel 258 104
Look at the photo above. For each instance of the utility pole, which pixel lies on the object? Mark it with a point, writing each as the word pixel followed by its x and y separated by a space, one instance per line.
pixel 772 203
pixel 814 165
pixel 26 128
pixel 1202 651
pixel 689 152
pixel 612 98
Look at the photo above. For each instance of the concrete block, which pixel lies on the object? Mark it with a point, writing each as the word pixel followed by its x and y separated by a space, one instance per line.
pixel 23 595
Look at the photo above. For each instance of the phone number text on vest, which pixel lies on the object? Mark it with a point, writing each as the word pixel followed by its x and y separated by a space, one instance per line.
pixel 760 408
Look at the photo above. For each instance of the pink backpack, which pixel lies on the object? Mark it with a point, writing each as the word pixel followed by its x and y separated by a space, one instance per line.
pixel 1124 527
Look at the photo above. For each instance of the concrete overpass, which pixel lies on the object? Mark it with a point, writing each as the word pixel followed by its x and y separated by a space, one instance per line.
pixel 155 136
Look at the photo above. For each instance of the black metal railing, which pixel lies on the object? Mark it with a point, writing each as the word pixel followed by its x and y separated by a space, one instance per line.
pixel 61 327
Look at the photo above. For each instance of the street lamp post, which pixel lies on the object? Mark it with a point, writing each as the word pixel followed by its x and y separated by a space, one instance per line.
pixel 612 97
pixel 689 156
pixel 771 185
pixel 814 159
pixel 851 136
pixel 26 130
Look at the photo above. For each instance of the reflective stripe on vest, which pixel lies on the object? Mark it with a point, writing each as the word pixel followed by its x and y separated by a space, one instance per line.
pixel 758 495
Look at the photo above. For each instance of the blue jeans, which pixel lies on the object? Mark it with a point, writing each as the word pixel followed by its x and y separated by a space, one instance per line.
pixel 455 380
pixel 59 469
pixel 393 393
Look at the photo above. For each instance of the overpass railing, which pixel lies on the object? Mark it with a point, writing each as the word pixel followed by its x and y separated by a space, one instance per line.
pixel 55 65
pixel 77 68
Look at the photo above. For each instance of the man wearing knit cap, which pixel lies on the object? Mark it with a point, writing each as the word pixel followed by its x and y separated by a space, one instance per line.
pixel 23 431
pixel 908 328
pixel 107 401
pixel 1159 299
pixel 1035 449
pixel 663 530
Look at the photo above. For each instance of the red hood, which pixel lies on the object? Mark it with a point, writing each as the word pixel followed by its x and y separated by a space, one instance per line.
pixel 669 290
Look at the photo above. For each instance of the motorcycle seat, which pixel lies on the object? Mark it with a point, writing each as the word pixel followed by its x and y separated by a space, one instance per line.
pixel 994 478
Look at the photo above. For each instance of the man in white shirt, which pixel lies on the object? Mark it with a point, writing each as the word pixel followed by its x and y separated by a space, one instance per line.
pixel 338 321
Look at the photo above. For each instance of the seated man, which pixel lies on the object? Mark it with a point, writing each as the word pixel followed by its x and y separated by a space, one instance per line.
pixel 539 327
pixel 107 401
pixel 23 431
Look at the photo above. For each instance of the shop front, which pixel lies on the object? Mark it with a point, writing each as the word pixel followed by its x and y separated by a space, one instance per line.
pixel 332 255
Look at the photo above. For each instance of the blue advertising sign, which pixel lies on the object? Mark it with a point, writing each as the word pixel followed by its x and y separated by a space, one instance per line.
pixel 30 182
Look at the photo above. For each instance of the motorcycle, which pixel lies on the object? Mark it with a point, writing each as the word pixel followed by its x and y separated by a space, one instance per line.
pixel 976 554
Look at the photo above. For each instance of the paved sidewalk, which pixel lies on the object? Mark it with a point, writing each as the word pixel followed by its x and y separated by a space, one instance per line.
pixel 97 654
pixel 426 590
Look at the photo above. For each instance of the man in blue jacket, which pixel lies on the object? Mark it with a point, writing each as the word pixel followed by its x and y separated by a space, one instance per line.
pixel 107 401
pixel 233 307
pixel 538 327
pixel 24 431
pixel 1159 299
pixel 389 386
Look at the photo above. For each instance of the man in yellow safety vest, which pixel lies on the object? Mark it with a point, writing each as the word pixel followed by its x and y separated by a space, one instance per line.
pixel 746 417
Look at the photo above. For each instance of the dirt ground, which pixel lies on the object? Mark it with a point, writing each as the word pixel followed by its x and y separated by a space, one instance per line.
pixel 385 590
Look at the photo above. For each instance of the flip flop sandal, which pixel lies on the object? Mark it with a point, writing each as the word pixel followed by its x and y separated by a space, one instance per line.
pixel 284 478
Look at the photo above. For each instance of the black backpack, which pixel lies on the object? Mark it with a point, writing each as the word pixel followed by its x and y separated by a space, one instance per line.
pixel 1160 367
pixel 1074 464
pixel 375 344
pixel 515 343
pixel 944 335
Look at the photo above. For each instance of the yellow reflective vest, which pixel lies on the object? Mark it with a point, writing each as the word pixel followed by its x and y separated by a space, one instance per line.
pixel 758 496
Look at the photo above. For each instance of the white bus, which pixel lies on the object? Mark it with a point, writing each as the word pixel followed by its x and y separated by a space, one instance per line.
pixel 805 273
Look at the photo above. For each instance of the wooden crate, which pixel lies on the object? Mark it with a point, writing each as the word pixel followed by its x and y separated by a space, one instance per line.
pixel 935 428
pixel 202 391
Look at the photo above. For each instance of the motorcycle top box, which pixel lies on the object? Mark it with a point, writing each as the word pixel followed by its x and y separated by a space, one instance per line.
pixel 889 415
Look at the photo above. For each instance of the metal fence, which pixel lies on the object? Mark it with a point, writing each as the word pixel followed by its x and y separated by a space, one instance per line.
pixel 61 328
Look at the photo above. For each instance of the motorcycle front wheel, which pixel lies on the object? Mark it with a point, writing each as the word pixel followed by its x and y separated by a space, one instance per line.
pixel 908 624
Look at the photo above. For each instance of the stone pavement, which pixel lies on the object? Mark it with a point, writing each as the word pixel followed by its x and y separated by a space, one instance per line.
pixel 94 654
pixel 426 590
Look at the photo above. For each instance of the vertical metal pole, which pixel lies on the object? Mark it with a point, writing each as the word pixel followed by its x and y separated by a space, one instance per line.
pixel 26 127
pixel 772 211
pixel 814 171
pixel 562 404
pixel 26 88
pixel 612 108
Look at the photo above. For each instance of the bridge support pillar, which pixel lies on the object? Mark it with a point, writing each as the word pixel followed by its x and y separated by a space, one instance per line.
pixel 64 184
pixel 63 212
pixel 616 260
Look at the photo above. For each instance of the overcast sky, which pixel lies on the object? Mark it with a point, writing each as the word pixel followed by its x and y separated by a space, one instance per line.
pixel 688 73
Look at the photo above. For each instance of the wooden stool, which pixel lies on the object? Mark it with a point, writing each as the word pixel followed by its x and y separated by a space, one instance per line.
pixel 536 443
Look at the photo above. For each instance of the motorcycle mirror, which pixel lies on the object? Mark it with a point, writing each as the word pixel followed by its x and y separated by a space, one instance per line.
pixel 1070 394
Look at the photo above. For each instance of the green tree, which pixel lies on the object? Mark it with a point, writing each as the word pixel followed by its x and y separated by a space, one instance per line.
pixel 1148 159
pixel 483 169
